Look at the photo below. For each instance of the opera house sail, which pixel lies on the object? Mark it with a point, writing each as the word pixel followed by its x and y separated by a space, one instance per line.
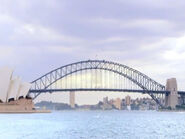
pixel 23 90
pixel 13 89
pixel 5 78
pixel 13 93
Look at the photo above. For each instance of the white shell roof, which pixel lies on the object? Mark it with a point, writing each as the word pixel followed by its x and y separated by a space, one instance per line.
pixel 5 78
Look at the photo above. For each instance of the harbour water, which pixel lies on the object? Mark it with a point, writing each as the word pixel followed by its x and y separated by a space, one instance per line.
pixel 94 125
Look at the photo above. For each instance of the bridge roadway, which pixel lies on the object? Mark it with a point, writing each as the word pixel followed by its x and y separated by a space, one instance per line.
pixel 102 89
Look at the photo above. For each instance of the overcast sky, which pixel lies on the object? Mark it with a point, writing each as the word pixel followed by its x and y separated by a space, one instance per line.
pixel 37 36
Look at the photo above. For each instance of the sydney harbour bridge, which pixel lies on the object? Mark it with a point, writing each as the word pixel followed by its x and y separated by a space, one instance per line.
pixel 101 75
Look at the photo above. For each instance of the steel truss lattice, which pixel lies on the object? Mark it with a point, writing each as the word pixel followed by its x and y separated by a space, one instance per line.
pixel 147 84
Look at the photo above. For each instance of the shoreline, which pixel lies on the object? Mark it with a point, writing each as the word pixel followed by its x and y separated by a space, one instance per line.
pixel 25 112
pixel 171 110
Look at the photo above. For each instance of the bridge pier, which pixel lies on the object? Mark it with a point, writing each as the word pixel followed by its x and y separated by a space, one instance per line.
pixel 171 100
pixel 72 99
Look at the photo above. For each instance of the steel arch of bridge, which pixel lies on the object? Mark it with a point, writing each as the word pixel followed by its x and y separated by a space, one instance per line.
pixel 143 81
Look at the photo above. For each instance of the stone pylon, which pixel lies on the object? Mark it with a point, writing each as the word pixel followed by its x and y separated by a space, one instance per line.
pixel 171 100
pixel 72 99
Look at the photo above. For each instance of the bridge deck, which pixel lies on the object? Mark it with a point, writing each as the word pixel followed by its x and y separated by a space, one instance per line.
pixel 99 89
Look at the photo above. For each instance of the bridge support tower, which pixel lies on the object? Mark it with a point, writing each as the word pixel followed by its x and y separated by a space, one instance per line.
pixel 171 100
pixel 72 99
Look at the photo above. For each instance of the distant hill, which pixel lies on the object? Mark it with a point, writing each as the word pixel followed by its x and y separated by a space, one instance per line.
pixel 52 105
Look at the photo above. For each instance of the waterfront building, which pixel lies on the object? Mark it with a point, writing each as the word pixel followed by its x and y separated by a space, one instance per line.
pixel 111 101
pixel 128 100
pixel 129 107
pixel 117 103
pixel 13 93
pixel 107 105
pixel 105 100
pixel 11 88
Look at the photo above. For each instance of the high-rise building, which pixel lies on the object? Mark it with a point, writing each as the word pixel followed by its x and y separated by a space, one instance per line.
pixel 72 99
pixel 128 100
pixel 117 103
pixel 105 100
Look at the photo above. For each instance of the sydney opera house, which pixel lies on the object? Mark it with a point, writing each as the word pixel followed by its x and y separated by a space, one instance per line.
pixel 13 93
